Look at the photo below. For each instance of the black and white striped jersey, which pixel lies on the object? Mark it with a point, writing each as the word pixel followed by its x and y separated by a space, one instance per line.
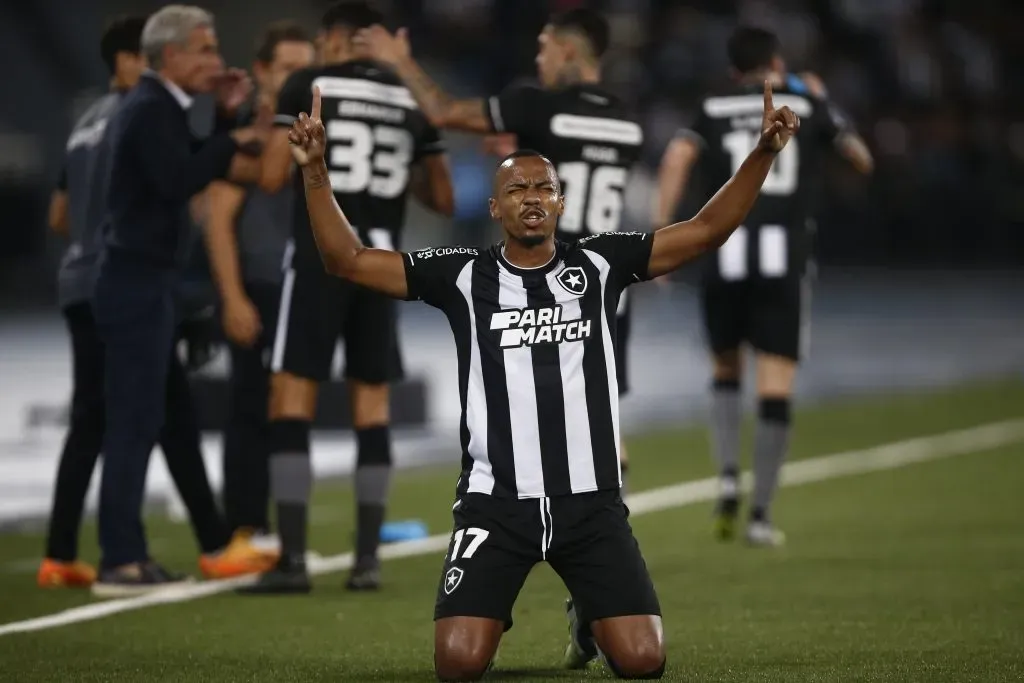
pixel 591 138
pixel 540 406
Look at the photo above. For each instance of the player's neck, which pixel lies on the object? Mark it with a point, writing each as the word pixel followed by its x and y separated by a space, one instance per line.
pixel 576 74
pixel 758 77
pixel 522 256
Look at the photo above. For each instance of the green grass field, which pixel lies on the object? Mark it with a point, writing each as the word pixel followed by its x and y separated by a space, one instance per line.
pixel 909 574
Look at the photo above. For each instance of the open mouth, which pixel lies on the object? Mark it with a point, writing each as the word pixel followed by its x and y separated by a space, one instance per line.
pixel 533 217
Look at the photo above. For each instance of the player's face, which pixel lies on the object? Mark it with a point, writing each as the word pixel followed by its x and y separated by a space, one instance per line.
pixel 551 57
pixel 289 56
pixel 529 200
pixel 198 63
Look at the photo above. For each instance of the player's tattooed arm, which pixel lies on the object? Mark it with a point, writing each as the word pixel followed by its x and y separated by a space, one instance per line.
pixel 340 249
pixel 710 228
pixel 442 110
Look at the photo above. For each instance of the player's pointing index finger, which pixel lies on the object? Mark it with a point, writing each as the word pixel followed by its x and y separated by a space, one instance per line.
pixel 315 113
pixel 768 104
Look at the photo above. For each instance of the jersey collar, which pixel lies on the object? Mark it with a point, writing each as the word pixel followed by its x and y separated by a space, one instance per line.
pixel 499 250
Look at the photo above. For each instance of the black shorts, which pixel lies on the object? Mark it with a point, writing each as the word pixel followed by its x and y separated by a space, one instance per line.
pixel 317 310
pixel 770 315
pixel 585 537
pixel 621 342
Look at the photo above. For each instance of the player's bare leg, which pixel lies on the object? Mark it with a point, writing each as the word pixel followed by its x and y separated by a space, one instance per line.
pixel 775 378
pixel 291 410
pixel 371 415
pixel 464 647
pixel 726 415
pixel 633 646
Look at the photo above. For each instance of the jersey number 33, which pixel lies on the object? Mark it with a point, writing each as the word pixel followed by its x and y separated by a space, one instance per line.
pixel 368 158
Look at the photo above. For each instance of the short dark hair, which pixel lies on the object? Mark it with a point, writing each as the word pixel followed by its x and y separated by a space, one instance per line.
pixel 523 153
pixel 589 23
pixel 752 48
pixel 351 14
pixel 284 31
pixel 122 34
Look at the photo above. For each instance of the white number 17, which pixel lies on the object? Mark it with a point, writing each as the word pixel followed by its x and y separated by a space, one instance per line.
pixel 478 537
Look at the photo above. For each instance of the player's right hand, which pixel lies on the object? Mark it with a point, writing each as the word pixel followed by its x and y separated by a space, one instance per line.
pixel 777 125
pixel 307 136
pixel 241 321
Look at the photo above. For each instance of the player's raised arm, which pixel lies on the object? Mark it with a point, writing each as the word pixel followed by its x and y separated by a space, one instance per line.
pixel 442 110
pixel 676 244
pixel 340 249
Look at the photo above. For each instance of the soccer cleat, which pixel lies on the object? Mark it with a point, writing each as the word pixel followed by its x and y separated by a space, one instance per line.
pixel 136 579
pixel 288 577
pixel 55 573
pixel 725 518
pixel 239 558
pixel 763 535
pixel 365 576
pixel 581 650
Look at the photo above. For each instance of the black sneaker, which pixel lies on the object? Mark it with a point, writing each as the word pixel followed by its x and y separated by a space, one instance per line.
pixel 288 577
pixel 365 576
pixel 726 511
pixel 137 579
pixel 581 650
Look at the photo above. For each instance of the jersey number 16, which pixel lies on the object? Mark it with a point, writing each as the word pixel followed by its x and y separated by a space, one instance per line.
pixel 593 198
pixel 369 159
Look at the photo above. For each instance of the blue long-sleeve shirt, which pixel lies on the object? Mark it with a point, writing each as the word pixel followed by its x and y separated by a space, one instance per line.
pixel 156 167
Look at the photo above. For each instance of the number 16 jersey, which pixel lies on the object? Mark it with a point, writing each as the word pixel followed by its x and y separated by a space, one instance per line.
pixel 375 135
pixel 591 139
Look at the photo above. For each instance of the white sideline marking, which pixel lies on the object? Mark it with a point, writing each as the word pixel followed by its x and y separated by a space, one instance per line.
pixel 883 457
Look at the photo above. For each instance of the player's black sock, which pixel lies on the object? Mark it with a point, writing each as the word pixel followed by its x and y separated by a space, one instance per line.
pixel 725 432
pixel 771 442
pixel 372 481
pixel 291 481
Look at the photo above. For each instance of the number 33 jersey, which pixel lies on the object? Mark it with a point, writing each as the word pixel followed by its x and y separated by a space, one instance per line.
pixel 774 240
pixel 591 139
pixel 375 135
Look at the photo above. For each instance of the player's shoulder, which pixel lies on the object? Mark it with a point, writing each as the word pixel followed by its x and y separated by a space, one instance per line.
pixel 608 242
pixel 302 79
pixel 453 256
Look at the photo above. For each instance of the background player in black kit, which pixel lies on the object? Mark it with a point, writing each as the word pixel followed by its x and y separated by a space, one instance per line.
pixel 754 290
pixel 533 320
pixel 379 144
pixel 587 132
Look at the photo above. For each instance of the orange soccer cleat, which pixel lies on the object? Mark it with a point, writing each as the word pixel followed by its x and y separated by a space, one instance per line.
pixel 55 573
pixel 240 557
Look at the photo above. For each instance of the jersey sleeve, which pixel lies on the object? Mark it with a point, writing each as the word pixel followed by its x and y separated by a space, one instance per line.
pixel 627 254
pixel 296 96
pixel 699 130
pixel 518 109
pixel 430 142
pixel 831 120
pixel 432 274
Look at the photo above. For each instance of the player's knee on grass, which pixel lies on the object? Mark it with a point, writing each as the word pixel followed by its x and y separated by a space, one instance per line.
pixel 634 646
pixel 464 647
pixel 292 397
pixel 371 404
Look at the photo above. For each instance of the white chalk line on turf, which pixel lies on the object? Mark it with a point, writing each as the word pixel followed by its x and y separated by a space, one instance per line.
pixel 884 457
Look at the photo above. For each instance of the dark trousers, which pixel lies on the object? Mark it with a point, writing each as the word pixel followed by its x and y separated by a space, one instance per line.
pixel 179 440
pixel 144 383
pixel 246 434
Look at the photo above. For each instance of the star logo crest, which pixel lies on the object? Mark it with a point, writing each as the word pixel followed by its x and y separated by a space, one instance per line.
pixel 452 579
pixel 573 280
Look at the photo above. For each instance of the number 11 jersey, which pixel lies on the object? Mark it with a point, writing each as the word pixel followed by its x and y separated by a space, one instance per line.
pixel 375 135
pixel 588 135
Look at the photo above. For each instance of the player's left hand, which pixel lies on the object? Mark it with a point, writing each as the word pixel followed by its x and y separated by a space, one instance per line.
pixel 232 89
pixel 307 136
pixel 382 45
pixel 777 125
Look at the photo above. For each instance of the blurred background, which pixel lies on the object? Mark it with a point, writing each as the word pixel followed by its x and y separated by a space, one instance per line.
pixel 919 281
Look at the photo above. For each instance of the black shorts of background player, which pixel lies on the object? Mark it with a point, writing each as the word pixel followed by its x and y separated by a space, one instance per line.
pixel 529 317
pixel 754 291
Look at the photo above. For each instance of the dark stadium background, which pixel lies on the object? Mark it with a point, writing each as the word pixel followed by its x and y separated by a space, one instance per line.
pixel 920 277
